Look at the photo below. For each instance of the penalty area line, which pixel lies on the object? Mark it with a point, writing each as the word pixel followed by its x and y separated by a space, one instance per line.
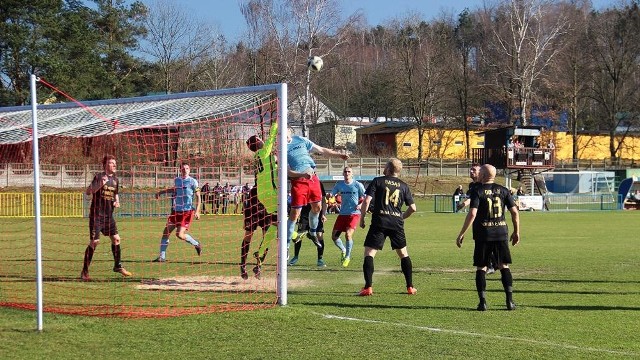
pixel 468 333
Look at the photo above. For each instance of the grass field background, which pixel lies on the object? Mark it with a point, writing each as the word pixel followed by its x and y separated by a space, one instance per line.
pixel 576 284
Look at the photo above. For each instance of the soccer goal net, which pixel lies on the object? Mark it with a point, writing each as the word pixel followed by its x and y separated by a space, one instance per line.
pixel 150 138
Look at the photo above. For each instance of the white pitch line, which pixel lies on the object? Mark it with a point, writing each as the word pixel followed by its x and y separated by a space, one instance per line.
pixel 499 337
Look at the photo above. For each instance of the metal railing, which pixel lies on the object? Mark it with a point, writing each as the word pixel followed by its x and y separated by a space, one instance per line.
pixel 154 176
pixel 552 202
pixel 520 158
pixel 51 205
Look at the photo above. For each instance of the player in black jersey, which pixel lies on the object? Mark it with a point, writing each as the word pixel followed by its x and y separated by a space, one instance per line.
pixel 490 232
pixel 474 174
pixel 104 191
pixel 389 194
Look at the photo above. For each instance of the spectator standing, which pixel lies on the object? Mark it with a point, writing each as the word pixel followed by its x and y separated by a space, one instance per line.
pixel 458 197
pixel 226 196
pixel 246 189
pixel 217 197
pixel 204 194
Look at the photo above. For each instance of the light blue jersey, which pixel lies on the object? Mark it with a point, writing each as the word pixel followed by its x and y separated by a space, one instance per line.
pixel 351 194
pixel 185 189
pixel 298 154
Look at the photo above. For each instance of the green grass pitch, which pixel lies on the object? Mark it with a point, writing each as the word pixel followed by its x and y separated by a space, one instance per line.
pixel 576 284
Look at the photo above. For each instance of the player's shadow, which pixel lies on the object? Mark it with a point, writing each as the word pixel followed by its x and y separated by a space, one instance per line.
pixel 585 307
pixel 368 305
pixel 497 307
pixel 313 268
pixel 555 291
pixel 386 306
pixel 593 281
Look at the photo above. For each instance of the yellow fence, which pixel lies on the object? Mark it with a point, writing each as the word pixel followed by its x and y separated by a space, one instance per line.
pixel 51 205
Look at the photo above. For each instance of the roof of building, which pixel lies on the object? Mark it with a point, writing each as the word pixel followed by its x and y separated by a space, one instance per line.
pixel 517 130
pixel 387 127
pixel 342 123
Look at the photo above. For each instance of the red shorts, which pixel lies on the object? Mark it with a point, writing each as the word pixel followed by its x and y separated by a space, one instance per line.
pixel 305 191
pixel 180 218
pixel 346 222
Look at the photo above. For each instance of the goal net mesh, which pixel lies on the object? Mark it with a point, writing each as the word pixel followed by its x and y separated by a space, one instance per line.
pixel 150 137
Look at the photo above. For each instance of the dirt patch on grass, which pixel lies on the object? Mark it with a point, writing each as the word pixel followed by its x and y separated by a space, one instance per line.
pixel 215 283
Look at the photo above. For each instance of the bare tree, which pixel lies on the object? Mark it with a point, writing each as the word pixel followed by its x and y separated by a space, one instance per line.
pixel 218 68
pixel 291 31
pixel 420 68
pixel 463 47
pixel 569 74
pixel 525 37
pixel 179 44
pixel 615 40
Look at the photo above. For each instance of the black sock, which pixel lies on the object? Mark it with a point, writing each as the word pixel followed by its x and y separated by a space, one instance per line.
pixel 367 269
pixel 115 249
pixel 297 248
pixel 321 249
pixel 88 256
pixel 244 251
pixel 481 284
pixel 507 283
pixel 407 270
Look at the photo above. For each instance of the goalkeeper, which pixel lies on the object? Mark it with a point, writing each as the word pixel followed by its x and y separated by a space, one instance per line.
pixel 262 200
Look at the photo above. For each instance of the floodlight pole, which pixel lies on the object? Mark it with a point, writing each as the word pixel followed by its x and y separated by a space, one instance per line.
pixel 282 195
pixel 36 199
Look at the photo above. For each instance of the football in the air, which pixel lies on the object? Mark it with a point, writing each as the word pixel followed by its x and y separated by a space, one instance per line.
pixel 315 63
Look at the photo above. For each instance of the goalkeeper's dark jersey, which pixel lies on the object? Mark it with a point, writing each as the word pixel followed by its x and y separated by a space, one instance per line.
pixel 491 200
pixel 389 195
pixel 103 199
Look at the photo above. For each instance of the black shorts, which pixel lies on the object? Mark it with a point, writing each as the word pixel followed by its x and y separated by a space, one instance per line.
pixel 105 226
pixel 257 215
pixel 376 236
pixel 483 250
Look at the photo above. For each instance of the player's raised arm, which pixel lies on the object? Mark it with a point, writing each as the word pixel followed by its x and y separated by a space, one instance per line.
pixel 329 152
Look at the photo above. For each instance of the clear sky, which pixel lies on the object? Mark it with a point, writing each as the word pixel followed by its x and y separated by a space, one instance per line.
pixel 225 14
